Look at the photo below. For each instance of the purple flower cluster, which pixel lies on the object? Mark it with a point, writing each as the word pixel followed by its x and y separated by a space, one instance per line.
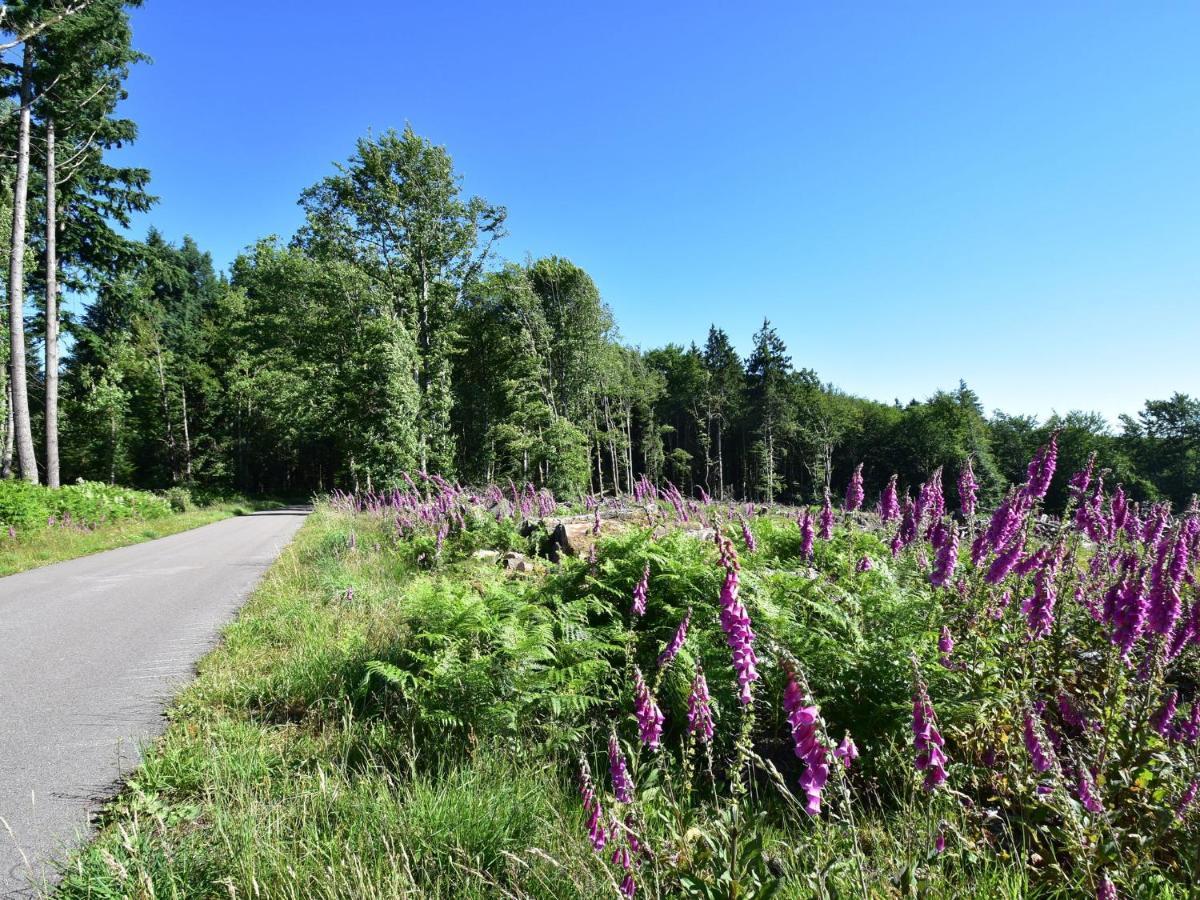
pixel 854 490
pixel 748 537
pixel 1040 471
pixel 889 502
pixel 826 519
pixel 645 710
pixel 618 771
pixel 699 714
pixel 735 622
pixel 676 643
pixel 927 739
pixel 1040 756
pixel 968 490
pixel 947 554
pixel 591 808
pixel 806 535
pixel 640 592
pixel 804 720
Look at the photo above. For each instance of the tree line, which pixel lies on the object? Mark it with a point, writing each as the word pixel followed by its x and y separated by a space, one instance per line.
pixel 388 335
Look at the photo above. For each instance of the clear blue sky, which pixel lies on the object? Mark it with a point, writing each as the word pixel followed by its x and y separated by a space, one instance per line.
pixel 912 193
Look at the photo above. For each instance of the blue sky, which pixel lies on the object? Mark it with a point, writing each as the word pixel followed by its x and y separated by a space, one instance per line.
pixel 912 193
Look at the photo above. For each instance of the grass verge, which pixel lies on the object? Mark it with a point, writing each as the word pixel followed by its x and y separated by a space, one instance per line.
pixel 56 544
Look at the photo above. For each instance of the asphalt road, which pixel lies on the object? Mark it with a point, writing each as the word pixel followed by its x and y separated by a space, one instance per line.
pixel 91 651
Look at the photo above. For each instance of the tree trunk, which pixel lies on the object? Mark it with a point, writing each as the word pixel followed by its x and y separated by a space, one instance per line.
pixel 172 450
pixel 6 463
pixel 52 478
pixel 23 429
pixel 187 435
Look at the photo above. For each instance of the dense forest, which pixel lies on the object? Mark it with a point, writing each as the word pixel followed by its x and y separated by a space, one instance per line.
pixel 390 335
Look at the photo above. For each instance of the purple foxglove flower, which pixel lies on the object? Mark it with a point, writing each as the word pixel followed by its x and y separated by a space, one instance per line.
pixel 947 558
pixel 628 885
pixel 930 500
pixel 1079 482
pixel 889 504
pixel 596 521
pixel 827 519
pixel 968 490
pixel 927 740
pixel 806 536
pixel 735 622
pixel 1164 716
pixel 1006 521
pixel 1184 806
pixel 699 714
pixel 1087 796
pixel 645 709
pixel 1039 609
pixel 945 646
pixel 804 720
pixel 1040 471
pixel 1040 756
pixel 1005 560
pixel 591 807
pixel 748 537
pixel 854 490
pixel 864 565
pixel 640 592
pixel 619 772
pixel 846 751
pixel 1105 889
pixel 1119 508
pixel 1189 731
pixel 676 643
pixel 939 842
pixel 907 532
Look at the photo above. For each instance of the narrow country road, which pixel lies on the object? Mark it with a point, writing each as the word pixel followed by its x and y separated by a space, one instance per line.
pixel 91 650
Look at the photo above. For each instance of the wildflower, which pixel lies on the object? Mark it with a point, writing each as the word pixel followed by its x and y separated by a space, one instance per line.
pixel 846 751
pixel 927 740
pixel 907 532
pixel 1105 889
pixel 1129 615
pixel 968 490
pixel 1087 796
pixel 591 806
pixel 1005 560
pixel 1119 508
pixel 864 565
pixel 827 519
pixel 735 622
pixel 640 591
pixel 947 557
pixel 1184 805
pixel 939 842
pixel 854 490
pixel 1189 731
pixel 1040 471
pixel 699 714
pixel 804 720
pixel 1079 482
pixel 645 709
pixel 748 537
pixel 930 499
pixel 1041 758
pixel 619 772
pixel 1039 609
pixel 889 505
pixel 676 643
pixel 806 536
pixel 1165 715
pixel 596 521
pixel 945 646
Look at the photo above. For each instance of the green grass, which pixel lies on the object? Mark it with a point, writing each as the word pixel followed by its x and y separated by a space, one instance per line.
pixel 30 550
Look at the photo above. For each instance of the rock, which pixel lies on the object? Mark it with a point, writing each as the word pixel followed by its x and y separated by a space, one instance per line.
pixel 516 562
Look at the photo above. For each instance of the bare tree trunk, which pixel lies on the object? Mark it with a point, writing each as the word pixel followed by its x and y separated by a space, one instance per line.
pixel 6 469
pixel 52 476
pixel 23 429
pixel 187 436
pixel 172 451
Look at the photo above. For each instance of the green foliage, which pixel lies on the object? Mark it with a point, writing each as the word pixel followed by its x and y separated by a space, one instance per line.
pixel 27 507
